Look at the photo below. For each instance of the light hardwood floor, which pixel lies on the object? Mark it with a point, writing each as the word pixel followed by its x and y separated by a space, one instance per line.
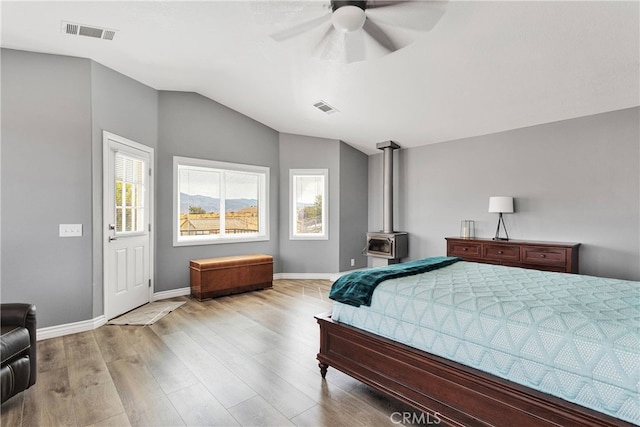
pixel 246 359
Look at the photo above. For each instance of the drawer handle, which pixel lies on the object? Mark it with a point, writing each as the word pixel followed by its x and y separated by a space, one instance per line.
pixel 500 252
pixel 542 256
pixel 464 249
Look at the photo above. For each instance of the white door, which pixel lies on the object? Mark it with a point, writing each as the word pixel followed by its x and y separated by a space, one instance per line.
pixel 127 223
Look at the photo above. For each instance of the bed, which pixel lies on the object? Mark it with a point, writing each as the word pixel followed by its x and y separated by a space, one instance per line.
pixel 479 344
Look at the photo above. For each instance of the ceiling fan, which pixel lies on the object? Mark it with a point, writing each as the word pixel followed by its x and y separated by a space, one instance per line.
pixel 359 30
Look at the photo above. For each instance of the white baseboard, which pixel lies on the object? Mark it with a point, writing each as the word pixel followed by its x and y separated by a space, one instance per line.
pixel 305 276
pixel 70 328
pixel 180 292
pixel 312 276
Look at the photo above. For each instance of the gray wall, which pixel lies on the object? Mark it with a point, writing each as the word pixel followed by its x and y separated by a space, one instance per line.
pixel 573 181
pixel 347 205
pixel 127 108
pixel 305 152
pixel 191 125
pixel 46 181
pixel 54 109
pixel 353 207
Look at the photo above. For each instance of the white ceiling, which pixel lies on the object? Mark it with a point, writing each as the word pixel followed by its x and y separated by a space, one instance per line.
pixel 485 67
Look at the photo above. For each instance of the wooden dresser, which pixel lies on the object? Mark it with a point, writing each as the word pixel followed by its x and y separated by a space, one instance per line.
pixel 548 256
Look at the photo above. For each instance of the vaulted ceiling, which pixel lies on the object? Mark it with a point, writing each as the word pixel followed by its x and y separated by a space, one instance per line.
pixel 484 67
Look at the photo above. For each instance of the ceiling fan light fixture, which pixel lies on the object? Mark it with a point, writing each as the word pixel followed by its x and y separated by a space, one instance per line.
pixel 348 18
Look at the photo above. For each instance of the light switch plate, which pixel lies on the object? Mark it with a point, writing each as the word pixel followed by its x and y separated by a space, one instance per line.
pixel 70 230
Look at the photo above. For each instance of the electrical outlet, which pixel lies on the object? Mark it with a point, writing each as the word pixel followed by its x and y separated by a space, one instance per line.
pixel 353 262
pixel 70 230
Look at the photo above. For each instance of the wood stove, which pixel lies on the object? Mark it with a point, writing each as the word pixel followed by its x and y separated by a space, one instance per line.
pixel 387 246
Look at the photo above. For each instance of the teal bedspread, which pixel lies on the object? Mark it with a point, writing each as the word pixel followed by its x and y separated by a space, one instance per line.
pixel 356 288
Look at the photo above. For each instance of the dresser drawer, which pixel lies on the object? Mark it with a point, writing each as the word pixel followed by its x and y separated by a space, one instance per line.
pixel 501 252
pixel 464 249
pixel 544 256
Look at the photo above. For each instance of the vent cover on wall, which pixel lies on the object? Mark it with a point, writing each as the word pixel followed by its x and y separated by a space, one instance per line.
pixel 323 106
pixel 88 31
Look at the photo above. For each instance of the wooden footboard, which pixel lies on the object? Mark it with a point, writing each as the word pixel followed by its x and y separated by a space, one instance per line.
pixel 451 393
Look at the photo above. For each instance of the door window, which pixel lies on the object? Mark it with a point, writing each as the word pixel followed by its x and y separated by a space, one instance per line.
pixel 129 194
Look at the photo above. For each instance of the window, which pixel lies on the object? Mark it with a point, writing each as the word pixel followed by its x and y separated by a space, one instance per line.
pixel 218 202
pixel 129 194
pixel 309 190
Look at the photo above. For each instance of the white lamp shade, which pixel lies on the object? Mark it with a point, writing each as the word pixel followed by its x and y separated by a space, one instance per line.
pixel 348 18
pixel 502 204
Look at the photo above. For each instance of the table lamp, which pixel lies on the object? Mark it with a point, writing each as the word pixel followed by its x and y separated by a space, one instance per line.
pixel 500 205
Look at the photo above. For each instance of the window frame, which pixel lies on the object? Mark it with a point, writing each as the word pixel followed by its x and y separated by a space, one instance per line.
pixel 293 234
pixel 263 174
pixel 141 220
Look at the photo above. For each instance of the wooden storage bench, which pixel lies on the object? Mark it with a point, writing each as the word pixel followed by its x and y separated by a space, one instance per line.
pixel 214 277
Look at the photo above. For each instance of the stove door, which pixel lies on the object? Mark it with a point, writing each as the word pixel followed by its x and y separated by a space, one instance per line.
pixel 380 246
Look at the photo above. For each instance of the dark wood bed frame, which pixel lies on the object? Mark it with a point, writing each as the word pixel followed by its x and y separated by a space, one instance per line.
pixel 451 393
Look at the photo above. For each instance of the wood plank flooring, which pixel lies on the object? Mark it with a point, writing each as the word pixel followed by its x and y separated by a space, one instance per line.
pixel 247 359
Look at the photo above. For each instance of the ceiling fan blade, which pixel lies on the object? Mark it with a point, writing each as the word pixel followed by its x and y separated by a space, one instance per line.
pixel 371 4
pixel 380 36
pixel 368 43
pixel 354 48
pixel 330 46
pixel 342 47
pixel 413 15
pixel 301 28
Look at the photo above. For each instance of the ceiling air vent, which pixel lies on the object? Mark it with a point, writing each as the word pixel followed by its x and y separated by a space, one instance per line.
pixel 323 106
pixel 88 31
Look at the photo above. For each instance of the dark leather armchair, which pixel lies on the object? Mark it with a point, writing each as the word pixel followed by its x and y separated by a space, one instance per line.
pixel 17 348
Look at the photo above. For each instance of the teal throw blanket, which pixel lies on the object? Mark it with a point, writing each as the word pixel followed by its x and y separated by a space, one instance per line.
pixel 357 288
